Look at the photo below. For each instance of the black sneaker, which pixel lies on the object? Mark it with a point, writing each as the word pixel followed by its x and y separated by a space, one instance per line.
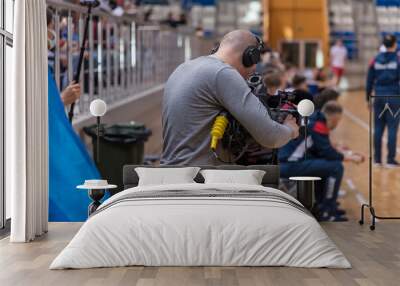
pixel 340 212
pixel 392 164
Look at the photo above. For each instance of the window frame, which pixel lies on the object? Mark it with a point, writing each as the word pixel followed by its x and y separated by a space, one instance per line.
pixel 6 39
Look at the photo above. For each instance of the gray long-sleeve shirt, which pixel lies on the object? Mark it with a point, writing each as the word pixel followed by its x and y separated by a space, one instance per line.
pixel 195 93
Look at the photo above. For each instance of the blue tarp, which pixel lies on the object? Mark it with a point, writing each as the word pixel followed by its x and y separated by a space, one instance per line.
pixel 69 163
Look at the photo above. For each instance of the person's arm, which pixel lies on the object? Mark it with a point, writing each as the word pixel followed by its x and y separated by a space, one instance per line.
pixel 322 146
pixel 370 79
pixel 235 96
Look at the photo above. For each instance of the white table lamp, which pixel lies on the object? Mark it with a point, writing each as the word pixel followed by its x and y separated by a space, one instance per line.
pixel 98 108
pixel 305 109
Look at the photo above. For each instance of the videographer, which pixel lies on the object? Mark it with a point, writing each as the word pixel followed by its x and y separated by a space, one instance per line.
pixel 200 89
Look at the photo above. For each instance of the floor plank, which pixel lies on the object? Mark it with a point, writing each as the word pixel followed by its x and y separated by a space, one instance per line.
pixel 375 257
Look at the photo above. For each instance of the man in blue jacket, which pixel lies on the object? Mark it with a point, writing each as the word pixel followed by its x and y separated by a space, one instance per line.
pixel 320 159
pixel 384 79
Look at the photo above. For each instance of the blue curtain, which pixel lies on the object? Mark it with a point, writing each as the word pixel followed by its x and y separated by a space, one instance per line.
pixel 69 163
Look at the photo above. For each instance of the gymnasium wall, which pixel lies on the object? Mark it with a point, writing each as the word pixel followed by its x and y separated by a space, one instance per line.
pixel 296 20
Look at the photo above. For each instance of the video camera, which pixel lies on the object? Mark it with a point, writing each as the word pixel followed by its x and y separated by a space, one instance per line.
pixel 279 105
pixel 235 138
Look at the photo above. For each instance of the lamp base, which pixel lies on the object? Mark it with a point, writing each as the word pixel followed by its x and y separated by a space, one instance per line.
pixel 96 195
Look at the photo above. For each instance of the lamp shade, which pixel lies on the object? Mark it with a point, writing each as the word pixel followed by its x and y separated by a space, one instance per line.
pixel 98 107
pixel 305 107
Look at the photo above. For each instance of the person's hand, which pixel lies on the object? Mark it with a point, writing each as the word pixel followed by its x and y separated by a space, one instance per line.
pixel 290 122
pixel 353 157
pixel 71 93
pixel 359 157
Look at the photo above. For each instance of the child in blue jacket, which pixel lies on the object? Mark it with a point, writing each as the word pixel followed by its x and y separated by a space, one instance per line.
pixel 321 159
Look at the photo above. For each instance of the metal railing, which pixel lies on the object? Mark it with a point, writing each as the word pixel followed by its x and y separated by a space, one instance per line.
pixel 123 57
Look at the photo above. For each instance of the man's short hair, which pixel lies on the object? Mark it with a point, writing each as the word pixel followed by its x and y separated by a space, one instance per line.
pixel 298 79
pixel 331 108
pixel 326 95
pixel 273 79
pixel 238 40
pixel 389 41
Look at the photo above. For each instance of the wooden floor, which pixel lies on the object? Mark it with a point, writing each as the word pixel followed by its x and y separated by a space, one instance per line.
pixel 375 257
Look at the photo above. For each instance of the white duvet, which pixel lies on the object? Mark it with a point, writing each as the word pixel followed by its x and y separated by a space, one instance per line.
pixel 200 231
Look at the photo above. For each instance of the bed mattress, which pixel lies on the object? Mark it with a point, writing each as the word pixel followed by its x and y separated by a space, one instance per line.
pixel 201 225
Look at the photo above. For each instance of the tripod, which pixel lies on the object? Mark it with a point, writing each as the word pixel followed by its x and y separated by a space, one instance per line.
pixel 370 187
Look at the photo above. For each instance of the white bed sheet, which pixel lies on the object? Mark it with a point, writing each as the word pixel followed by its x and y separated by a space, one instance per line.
pixel 200 232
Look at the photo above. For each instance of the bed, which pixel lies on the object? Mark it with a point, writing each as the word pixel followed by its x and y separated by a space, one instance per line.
pixel 199 224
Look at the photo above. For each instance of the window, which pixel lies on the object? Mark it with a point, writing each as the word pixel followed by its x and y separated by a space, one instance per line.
pixel 302 53
pixel 291 53
pixel 311 50
pixel 6 43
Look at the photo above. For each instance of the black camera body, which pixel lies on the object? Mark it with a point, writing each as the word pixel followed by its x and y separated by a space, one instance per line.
pixel 279 105
pixel 236 138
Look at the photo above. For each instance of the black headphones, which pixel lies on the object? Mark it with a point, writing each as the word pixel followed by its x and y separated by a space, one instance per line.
pixel 251 55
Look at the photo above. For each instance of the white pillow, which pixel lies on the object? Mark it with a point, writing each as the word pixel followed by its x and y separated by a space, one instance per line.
pixel 247 177
pixel 166 176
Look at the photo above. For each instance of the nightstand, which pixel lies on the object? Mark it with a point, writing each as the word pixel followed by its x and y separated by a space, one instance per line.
pixel 96 190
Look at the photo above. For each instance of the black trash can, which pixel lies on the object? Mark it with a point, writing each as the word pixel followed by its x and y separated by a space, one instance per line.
pixel 120 144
